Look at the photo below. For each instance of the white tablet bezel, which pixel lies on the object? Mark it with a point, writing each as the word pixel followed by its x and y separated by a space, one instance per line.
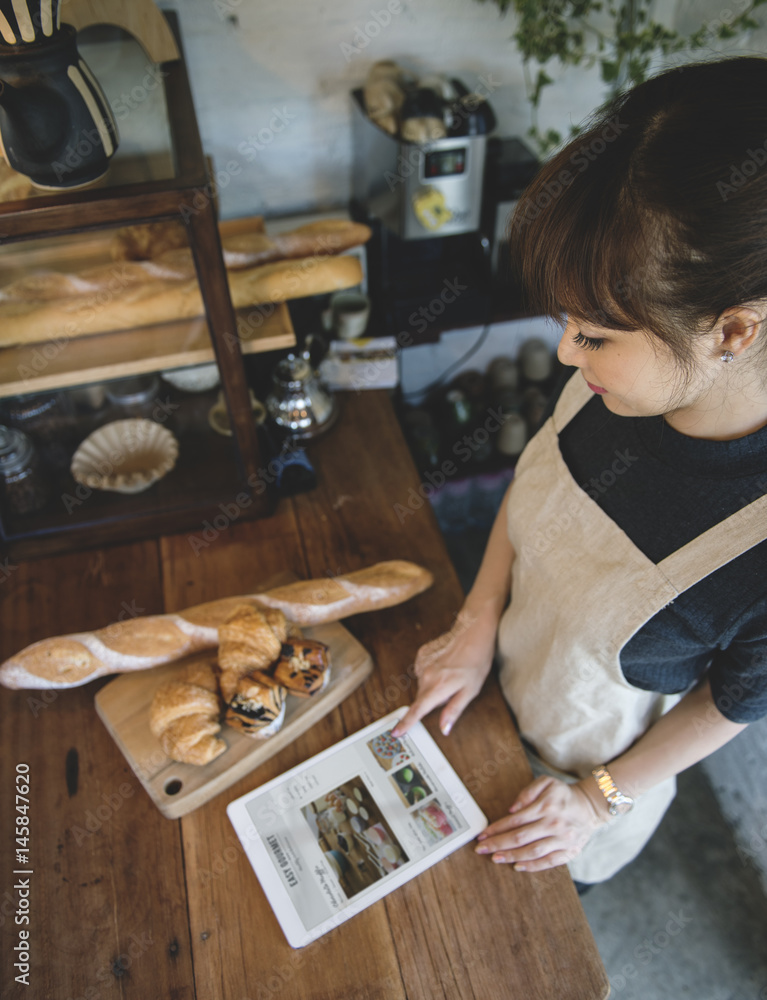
pixel 273 885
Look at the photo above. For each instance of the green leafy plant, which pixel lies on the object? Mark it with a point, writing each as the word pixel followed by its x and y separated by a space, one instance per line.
pixel 623 38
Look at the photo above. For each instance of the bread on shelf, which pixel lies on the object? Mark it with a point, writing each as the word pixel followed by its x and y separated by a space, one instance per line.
pixel 135 291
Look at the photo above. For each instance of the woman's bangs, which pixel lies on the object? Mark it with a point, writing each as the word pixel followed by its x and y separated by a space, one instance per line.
pixel 582 251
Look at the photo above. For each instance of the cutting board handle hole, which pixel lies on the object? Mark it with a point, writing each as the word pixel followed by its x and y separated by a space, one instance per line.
pixel 173 787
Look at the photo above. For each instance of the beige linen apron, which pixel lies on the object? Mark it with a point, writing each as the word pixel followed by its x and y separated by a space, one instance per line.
pixel 580 590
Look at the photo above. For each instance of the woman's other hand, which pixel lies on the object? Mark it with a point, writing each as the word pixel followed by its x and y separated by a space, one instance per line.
pixel 549 824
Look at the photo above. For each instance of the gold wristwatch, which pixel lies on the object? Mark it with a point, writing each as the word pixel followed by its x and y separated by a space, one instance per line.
pixel 617 802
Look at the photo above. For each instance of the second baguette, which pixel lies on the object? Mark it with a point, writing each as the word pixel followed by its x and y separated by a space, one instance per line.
pixel 146 297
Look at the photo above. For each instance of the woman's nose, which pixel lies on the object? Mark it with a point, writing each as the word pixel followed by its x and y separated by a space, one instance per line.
pixel 567 351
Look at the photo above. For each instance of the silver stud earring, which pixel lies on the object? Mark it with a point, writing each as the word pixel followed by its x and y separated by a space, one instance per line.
pixel 727 357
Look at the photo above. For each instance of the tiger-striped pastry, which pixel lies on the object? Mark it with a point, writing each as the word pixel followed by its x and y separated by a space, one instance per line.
pixel 256 709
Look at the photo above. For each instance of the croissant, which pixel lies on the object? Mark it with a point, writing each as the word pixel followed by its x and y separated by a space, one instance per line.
pixel 249 639
pixel 185 719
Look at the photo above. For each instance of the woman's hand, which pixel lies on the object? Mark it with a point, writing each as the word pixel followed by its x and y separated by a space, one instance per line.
pixel 549 824
pixel 451 670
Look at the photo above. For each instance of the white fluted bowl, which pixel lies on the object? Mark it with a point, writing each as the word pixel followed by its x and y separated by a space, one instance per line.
pixel 126 456
pixel 197 378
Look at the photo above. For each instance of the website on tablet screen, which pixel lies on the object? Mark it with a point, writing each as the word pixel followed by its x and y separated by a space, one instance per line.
pixel 335 829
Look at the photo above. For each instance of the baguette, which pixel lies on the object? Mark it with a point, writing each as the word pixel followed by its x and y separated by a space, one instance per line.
pixel 168 240
pixel 141 643
pixel 329 236
pixel 130 294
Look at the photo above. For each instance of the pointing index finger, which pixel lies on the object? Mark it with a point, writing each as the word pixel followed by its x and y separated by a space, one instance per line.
pixel 420 707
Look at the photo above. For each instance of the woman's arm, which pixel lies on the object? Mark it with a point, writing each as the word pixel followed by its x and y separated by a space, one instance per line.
pixel 453 668
pixel 550 822
pixel 690 731
pixel 489 593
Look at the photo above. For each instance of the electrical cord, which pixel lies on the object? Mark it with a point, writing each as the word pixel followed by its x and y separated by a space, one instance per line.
pixel 440 380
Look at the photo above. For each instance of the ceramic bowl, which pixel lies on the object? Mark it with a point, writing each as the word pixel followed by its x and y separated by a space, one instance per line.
pixel 196 378
pixel 126 456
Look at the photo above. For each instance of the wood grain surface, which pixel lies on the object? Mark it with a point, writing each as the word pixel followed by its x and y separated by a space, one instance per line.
pixel 144 907
pixel 163 346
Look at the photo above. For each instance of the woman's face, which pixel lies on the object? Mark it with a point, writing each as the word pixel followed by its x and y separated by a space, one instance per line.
pixel 636 374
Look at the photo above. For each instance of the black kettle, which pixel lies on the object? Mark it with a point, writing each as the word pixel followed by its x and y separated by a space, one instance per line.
pixel 56 125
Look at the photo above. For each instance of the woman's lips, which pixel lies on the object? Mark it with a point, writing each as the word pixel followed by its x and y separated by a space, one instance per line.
pixel 596 388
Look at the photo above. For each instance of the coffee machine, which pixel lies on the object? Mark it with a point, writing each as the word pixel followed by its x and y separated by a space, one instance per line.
pixel 428 264
pixel 432 206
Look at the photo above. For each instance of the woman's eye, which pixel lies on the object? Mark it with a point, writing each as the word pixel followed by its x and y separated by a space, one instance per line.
pixel 590 343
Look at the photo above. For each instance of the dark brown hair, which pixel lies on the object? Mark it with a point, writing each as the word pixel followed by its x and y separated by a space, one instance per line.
pixel 655 216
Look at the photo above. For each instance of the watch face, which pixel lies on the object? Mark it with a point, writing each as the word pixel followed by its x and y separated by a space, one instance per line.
pixel 621 806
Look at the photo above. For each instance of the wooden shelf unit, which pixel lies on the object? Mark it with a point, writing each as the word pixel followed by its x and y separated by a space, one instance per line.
pixel 164 506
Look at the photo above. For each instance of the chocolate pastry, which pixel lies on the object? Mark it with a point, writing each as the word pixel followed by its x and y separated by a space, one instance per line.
pixel 256 710
pixel 303 667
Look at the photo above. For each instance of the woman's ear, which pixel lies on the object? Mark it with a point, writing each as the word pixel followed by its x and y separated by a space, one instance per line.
pixel 738 328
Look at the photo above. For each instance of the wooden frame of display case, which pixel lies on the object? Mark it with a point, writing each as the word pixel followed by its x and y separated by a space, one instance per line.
pixel 181 500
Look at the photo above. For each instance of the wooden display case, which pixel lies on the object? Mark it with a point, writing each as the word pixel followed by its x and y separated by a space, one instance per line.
pixel 211 470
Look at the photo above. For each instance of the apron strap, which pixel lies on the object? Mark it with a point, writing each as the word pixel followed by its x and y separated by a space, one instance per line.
pixel 716 547
pixel 708 552
pixel 573 398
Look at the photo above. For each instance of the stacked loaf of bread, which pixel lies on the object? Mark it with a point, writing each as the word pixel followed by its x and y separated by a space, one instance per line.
pixel 153 280
pixel 144 642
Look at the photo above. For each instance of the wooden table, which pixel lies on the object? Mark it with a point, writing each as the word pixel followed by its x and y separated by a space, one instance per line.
pixel 125 903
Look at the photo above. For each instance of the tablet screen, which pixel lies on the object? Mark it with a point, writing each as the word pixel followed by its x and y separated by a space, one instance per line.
pixel 342 830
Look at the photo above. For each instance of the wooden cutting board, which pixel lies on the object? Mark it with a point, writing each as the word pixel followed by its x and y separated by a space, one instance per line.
pixel 176 789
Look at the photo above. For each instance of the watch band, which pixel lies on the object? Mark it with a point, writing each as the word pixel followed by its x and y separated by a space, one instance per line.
pixel 617 802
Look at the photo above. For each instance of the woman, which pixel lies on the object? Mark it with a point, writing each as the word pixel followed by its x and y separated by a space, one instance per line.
pixel 632 540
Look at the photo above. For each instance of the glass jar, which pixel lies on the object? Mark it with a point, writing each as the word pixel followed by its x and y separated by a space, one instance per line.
pixel 537 361
pixel 423 438
pixel 47 419
pixel 136 396
pixel 512 436
pixel 24 487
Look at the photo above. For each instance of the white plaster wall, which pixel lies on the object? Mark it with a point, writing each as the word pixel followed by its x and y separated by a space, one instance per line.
pixel 271 81
pixel 252 58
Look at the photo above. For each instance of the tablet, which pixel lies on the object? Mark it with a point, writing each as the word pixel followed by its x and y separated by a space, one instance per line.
pixel 345 828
